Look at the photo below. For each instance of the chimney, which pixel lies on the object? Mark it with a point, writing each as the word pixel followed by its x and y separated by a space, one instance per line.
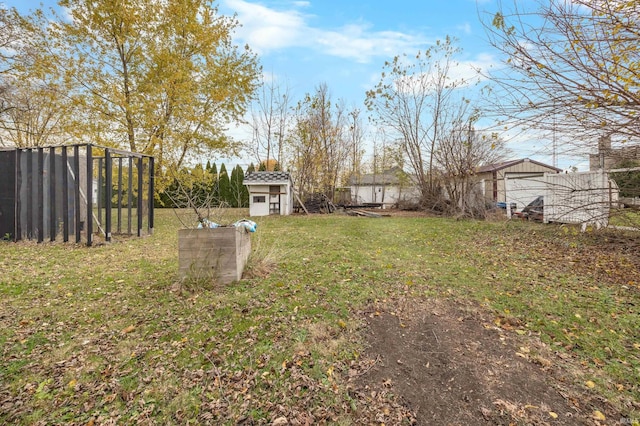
pixel 604 143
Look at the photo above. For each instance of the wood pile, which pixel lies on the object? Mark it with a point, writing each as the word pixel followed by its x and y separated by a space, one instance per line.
pixel 319 203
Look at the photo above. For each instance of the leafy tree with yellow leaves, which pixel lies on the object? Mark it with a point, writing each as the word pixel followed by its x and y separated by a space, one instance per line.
pixel 570 66
pixel 33 94
pixel 318 143
pixel 161 78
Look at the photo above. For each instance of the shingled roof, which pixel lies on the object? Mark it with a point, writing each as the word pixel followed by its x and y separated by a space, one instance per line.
pixel 388 177
pixel 499 166
pixel 266 177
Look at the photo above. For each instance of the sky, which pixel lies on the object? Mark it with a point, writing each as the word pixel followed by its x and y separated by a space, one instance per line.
pixel 344 44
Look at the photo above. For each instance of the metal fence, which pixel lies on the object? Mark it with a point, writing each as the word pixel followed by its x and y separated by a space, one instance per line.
pixel 74 192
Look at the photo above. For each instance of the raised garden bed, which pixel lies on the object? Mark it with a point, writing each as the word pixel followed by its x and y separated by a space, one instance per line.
pixel 218 254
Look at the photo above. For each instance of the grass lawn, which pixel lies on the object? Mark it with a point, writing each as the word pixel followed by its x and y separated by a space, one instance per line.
pixel 105 335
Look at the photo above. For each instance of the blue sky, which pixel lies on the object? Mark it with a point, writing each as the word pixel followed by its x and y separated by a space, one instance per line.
pixel 344 43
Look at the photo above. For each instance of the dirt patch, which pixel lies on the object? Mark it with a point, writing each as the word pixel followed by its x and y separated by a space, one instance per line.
pixel 450 366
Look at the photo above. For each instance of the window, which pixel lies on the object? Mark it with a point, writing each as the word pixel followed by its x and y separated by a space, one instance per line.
pixel 259 199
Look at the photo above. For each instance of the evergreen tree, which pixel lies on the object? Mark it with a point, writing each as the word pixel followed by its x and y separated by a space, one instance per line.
pixel 263 167
pixel 628 182
pixel 224 186
pixel 214 188
pixel 237 187
pixel 245 194
pixel 208 168
pixel 251 168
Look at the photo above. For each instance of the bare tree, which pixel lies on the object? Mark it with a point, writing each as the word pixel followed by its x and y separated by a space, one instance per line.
pixel 270 121
pixel 302 147
pixel 411 100
pixel 318 143
pixel 570 66
pixel 355 141
pixel 459 153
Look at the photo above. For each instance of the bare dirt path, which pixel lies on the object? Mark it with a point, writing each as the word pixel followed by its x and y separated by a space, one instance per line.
pixel 451 366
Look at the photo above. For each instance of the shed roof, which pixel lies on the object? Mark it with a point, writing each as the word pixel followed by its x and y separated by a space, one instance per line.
pixel 264 178
pixel 506 164
pixel 388 177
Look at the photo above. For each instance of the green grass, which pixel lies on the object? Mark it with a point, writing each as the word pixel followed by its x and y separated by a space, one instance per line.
pixel 625 217
pixel 104 333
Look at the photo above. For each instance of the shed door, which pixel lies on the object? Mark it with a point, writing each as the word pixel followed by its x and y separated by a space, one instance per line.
pixel 523 190
pixel 274 199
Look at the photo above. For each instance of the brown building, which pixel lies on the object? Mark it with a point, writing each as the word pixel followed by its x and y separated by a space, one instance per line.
pixel 609 158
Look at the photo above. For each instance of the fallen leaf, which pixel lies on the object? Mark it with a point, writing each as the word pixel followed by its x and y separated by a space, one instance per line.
pixel 590 384
pixel 280 421
pixel 598 415
pixel 128 329
pixel 552 414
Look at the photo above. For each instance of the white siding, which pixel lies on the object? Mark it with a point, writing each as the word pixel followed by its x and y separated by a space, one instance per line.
pixel 389 195
pixel 579 198
pixel 523 190
pixel 262 192
pixel 258 208
pixel 582 198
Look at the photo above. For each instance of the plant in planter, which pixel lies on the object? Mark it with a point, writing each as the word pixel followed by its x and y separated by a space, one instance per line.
pixel 207 250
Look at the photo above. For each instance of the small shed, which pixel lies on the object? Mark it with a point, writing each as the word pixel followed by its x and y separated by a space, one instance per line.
pixel 270 193
pixel 493 179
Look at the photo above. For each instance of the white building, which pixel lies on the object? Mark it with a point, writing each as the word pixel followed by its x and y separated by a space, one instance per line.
pixel 387 188
pixel 270 193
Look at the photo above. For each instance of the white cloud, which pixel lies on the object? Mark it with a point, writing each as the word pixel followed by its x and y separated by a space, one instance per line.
pixel 474 70
pixel 266 30
pixel 465 28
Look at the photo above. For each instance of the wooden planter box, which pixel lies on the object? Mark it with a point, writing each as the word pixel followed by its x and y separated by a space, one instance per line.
pixel 219 254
